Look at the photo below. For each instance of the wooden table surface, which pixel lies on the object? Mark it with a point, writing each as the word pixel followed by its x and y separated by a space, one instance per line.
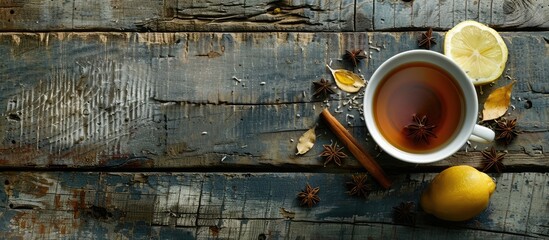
pixel 166 119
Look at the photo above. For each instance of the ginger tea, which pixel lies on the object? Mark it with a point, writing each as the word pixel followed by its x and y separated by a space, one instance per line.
pixel 418 99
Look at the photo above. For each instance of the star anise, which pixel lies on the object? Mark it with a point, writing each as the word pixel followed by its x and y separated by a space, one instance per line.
pixel 323 87
pixel 354 56
pixel 420 130
pixel 506 130
pixel 309 196
pixel 426 40
pixel 404 213
pixel 333 153
pixel 358 185
pixel 493 160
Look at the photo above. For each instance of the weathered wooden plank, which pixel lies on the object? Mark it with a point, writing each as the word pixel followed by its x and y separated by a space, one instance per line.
pixel 425 13
pixel 473 8
pixel 192 99
pixel 321 15
pixel 257 16
pixel 159 15
pixel 403 15
pixel 364 10
pixel 517 14
pixel 43 15
pixel 444 14
pixel 384 17
pixel 485 11
pixel 64 205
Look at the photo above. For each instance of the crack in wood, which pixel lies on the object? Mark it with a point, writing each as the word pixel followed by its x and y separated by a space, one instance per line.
pixel 273 14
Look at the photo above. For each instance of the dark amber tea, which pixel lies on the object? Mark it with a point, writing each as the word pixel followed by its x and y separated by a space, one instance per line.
pixel 418 107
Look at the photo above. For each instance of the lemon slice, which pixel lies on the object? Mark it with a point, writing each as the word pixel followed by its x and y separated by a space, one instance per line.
pixel 478 49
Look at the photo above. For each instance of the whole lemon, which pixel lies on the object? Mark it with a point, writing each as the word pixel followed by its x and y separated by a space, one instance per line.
pixel 458 193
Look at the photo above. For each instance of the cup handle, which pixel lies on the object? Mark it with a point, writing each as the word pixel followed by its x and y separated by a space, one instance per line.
pixel 482 134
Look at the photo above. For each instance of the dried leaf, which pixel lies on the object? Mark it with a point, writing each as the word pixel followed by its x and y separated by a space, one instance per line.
pixel 306 141
pixel 497 102
pixel 346 80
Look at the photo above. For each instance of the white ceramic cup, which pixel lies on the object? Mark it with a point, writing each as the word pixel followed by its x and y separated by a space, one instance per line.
pixel 469 129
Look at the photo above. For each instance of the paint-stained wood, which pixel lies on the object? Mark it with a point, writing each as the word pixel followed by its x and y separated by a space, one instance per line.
pixel 216 99
pixel 320 15
pixel 247 206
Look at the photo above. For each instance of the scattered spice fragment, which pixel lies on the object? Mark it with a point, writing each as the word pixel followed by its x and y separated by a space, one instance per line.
pixel 306 141
pixel 214 230
pixel 323 87
pixel 493 160
pixel 420 130
pixel 286 213
pixel 309 196
pixel 404 213
pixel 333 153
pixel 354 56
pixel 426 40
pixel 236 79
pixel 506 130
pixel 358 185
pixel 497 102
pixel 346 80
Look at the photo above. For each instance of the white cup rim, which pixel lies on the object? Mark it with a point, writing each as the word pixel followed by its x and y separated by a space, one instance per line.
pixel 469 94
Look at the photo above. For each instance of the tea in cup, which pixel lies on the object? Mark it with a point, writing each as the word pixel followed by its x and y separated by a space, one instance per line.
pixel 420 107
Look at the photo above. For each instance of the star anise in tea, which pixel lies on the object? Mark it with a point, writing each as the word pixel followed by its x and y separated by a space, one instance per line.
pixel 493 160
pixel 405 213
pixel 506 130
pixel 426 40
pixel 354 56
pixel 358 185
pixel 420 130
pixel 309 196
pixel 333 153
pixel 323 87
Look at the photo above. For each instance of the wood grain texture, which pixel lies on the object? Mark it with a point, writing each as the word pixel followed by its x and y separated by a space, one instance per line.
pixel 194 99
pixel 264 15
pixel 219 88
pixel 171 15
pixel 444 14
pixel 320 15
pixel 54 205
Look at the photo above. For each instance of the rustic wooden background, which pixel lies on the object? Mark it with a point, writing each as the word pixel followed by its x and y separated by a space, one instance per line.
pixel 179 119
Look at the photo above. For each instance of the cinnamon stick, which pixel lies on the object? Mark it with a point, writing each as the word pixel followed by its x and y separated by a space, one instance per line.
pixel 355 148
